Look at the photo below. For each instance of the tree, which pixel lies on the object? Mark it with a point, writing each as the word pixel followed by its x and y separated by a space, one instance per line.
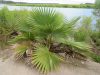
pixel 1 1
pixel 97 4
pixel 97 8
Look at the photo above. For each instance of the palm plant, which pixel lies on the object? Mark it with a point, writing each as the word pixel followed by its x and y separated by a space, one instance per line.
pixel 9 24
pixel 6 25
pixel 46 33
pixel 50 26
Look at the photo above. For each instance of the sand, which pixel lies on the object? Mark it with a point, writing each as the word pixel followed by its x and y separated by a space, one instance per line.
pixel 10 67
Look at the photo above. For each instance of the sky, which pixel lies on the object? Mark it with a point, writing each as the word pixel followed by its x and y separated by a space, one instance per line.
pixel 57 1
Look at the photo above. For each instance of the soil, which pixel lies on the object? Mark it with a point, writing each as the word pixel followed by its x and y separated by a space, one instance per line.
pixel 8 66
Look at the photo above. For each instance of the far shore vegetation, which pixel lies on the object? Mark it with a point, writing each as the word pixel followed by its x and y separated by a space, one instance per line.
pixel 87 5
pixel 59 5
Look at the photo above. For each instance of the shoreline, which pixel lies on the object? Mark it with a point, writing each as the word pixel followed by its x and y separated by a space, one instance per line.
pixel 87 6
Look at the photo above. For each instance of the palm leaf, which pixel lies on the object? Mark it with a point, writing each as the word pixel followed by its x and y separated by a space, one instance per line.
pixel 80 47
pixel 49 23
pixel 44 60
pixel 20 51
pixel 23 37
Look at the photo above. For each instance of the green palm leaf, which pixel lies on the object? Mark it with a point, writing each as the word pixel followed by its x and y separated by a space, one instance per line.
pixel 44 60
pixel 46 16
pixel 23 37
pixel 20 51
pixel 50 24
pixel 80 47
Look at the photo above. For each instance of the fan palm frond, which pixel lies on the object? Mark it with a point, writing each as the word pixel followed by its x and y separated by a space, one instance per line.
pixel 23 37
pixel 45 60
pixel 50 24
pixel 80 47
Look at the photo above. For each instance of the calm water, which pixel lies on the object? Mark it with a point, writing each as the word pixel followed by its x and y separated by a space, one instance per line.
pixel 67 12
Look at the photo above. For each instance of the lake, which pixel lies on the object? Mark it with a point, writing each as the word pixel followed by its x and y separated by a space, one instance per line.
pixel 67 12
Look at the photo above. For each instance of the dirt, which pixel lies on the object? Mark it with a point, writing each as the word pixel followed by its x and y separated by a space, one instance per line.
pixel 9 67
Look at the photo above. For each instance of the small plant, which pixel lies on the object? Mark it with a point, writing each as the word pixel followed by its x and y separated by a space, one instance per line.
pixel 46 33
pixel 5 29
pixel 9 24
pixel 96 58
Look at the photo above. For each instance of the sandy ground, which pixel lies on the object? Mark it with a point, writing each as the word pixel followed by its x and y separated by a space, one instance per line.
pixel 10 67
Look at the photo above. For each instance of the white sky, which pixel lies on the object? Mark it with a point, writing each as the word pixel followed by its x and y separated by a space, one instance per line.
pixel 57 1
